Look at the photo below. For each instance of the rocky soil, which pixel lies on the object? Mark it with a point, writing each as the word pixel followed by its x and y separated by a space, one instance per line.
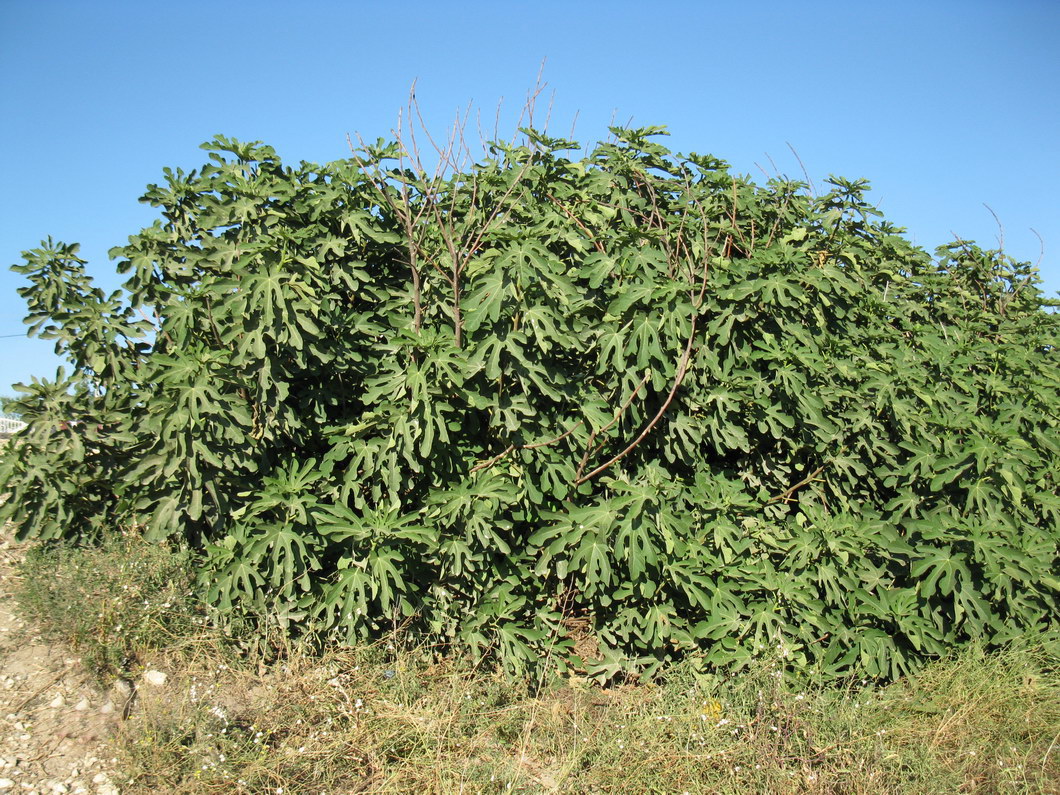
pixel 54 722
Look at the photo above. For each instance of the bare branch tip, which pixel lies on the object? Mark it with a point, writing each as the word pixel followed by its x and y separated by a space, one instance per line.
pixel 1000 228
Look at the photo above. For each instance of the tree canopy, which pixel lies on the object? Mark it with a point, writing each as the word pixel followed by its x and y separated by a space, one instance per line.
pixel 604 413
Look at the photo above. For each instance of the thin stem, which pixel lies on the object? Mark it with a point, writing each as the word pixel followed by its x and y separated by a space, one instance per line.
pixel 682 370
pixel 513 447
pixel 784 495
pixel 589 449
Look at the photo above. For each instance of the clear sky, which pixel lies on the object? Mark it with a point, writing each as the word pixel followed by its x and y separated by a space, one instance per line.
pixel 943 105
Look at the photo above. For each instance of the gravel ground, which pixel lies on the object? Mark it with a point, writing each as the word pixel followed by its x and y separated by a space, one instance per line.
pixel 54 723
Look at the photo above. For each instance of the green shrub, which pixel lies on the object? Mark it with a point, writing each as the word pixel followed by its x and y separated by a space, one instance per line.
pixel 602 413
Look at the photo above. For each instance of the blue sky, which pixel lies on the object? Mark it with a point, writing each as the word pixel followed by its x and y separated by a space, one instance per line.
pixel 943 106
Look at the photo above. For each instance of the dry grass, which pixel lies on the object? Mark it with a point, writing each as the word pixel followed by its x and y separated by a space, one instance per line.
pixel 379 720
pixel 391 718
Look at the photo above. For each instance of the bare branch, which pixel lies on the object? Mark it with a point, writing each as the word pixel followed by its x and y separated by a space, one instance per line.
pixel 573 124
pixel 403 213
pixel 1000 228
pixel 805 173
pixel 775 169
pixel 735 226
pixel 682 370
pixel 548 113
pixel 589 449
pixel 784 495
pixel 1041 247
pixel 599 246
pixel 776 221
pixel 513 447
pixel 492 461
pixel 559 438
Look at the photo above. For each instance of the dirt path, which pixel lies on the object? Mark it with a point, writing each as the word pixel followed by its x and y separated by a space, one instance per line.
pixel 54 723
